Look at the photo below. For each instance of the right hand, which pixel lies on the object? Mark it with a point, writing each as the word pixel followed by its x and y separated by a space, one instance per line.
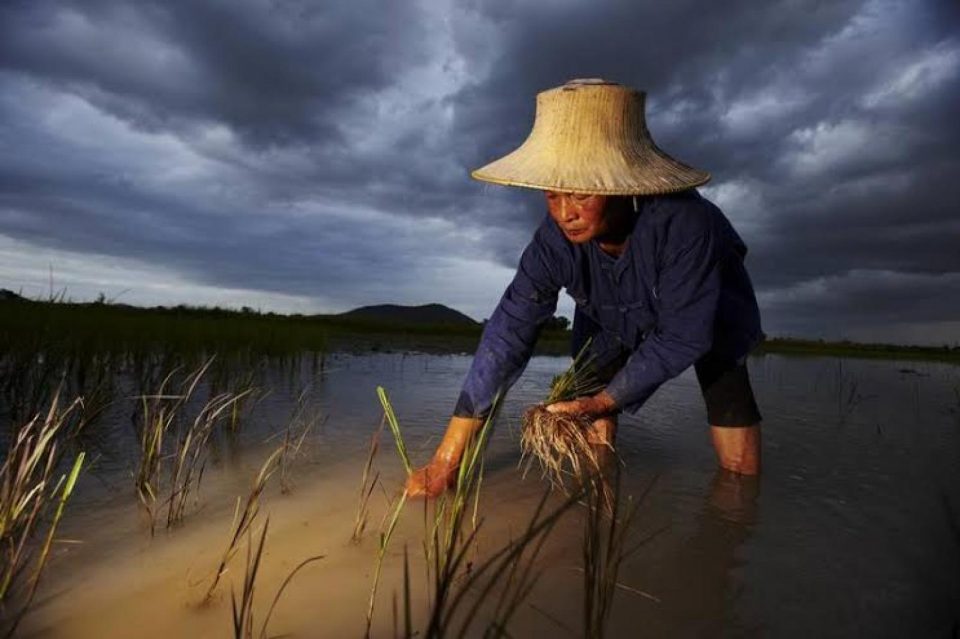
pixel 441 473
pixel 431 480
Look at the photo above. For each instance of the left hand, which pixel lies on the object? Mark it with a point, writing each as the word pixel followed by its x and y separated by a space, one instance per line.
pixel 600 404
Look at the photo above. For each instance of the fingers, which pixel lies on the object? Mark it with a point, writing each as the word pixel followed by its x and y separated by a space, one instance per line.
pixel 565 407
pixel 428 482
pixel 414 488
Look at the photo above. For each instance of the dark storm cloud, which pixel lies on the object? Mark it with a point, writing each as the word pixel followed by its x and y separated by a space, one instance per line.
pixel 322 150
pixel 274 72
pixel 830 128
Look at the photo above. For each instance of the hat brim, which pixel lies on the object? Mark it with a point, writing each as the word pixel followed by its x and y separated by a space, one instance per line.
pixel 656 173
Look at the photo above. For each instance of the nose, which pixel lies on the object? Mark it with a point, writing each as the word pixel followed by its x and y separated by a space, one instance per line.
pixel 566 211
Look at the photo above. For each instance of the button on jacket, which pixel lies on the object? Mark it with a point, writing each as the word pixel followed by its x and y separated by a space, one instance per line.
pixel 678 291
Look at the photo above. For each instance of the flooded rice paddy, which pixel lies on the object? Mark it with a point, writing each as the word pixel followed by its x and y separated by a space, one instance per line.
pixel 852 530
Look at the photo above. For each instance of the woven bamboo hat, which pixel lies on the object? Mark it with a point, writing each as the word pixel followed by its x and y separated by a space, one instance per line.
pixel 590 136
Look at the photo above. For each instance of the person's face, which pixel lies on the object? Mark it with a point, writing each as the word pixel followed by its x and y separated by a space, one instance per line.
pixel 579 215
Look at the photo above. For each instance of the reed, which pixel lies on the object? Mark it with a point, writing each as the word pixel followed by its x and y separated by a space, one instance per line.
pixel 190 455
pixel 27 488
pixel 244 519
pixel 28 494
pixel 159 418
pixel 179 464
pixel 298 427
pixel 559 440
pixel 242 605
pixel 384 542
pixel 67 482
pixel 367 486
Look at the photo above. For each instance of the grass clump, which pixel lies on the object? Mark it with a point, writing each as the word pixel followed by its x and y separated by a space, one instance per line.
pixel 559 441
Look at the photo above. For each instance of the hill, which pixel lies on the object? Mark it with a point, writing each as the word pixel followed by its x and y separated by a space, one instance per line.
pixel 7 295
pixel 426 314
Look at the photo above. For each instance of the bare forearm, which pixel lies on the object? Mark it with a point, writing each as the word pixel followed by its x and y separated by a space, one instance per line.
pixel 433 479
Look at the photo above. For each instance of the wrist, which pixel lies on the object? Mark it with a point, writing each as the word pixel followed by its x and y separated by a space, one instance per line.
pixel 603 403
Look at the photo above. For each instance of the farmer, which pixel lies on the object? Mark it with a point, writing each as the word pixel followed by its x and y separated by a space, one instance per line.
pixel 655 269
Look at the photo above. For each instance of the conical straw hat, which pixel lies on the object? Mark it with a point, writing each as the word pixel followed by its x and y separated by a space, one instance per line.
pixel 590 136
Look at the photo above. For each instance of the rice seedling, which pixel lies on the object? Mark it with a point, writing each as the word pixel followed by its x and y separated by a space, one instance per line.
pixel 396 509
pixel 558 440
pixel 242 605
pixel 508 571
pixel 243 520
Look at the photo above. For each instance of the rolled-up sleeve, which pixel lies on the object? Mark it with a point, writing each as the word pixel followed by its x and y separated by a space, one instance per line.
pixel 687 292
pixel 511 333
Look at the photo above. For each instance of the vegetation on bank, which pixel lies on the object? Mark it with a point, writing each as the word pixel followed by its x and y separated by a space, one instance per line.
pixel 103 329
pixel 821 348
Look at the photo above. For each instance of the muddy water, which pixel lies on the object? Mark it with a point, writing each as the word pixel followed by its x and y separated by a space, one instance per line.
pixel 853 529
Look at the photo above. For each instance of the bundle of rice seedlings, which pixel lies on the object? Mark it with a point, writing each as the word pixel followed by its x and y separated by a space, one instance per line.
pixel 560 440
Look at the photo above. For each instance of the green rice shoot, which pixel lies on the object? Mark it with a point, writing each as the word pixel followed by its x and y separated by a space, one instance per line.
pixel 560 441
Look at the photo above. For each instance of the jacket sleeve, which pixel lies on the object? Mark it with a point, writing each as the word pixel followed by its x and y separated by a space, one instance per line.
pixel 509 337
pixel 687 293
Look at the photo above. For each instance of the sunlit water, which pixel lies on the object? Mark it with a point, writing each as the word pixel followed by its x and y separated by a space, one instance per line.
pixel 853 530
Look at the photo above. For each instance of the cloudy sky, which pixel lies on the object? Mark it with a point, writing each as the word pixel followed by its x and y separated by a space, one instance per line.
pixel 313 156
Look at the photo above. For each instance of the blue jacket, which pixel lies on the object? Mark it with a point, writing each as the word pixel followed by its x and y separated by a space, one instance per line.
pixel 678 291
